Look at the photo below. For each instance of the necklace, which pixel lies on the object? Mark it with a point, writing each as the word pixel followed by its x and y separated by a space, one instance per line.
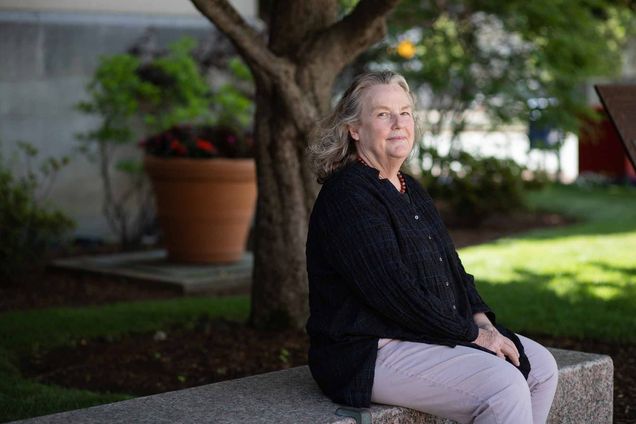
pixel 399 174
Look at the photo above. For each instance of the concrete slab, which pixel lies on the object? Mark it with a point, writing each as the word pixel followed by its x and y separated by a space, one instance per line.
pixel 584 396
pixel 153 266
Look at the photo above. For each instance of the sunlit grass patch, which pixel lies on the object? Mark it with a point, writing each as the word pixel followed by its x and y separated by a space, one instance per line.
pixel 578 280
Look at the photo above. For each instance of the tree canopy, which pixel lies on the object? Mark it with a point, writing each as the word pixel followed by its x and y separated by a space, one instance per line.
pixel 515 59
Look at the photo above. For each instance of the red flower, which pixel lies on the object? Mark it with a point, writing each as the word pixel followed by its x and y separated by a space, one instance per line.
pixel 177 147
pixel 206 146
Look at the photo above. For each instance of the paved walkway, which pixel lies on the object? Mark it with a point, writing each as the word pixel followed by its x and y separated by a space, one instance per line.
pixel 152 266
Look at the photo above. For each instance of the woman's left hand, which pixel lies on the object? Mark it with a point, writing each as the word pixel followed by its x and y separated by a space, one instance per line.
pixel 490 338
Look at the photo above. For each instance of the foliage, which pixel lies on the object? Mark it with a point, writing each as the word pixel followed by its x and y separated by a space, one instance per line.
pixel 199 142
pixel 231 105
pixel 161 93
pixel 514 59
pixel 136 99
pixel 473 188
pixel 27 226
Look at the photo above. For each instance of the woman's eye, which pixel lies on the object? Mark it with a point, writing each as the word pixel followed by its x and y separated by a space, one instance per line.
pixel 383 114
pixel 406 113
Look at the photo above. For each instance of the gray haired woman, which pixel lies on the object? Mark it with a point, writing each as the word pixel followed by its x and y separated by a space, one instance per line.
pixel 395 318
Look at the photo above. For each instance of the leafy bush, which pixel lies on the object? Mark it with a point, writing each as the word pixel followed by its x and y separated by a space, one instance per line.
pixel 27 227
pixel 472 188
pixel 135 100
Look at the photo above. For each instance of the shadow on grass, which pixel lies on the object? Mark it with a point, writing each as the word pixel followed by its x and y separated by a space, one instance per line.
pixel 559 305
pixel 599 210
pixel 625 271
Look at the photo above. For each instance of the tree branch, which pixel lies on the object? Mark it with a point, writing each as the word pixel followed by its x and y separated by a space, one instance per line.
pixel 354 33
pixel 246 40
pixel 280 71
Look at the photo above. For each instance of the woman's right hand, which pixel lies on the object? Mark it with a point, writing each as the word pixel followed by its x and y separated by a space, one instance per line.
pixel 492 340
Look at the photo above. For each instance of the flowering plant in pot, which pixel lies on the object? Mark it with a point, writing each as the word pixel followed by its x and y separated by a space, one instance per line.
pixel 203 141
pixel 204 181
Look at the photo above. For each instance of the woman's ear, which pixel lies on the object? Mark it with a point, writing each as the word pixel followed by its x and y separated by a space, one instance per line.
pixel 353 132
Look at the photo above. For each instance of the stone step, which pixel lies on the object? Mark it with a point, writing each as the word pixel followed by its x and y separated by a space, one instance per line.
pixel 153 267
pixel 584 395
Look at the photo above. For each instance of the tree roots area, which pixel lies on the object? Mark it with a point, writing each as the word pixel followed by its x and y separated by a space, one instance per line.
pixel 211 350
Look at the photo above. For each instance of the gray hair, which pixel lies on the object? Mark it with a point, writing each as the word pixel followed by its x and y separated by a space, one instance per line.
pixel 333 146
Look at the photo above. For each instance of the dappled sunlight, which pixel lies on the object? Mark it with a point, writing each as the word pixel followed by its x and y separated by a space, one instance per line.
pixel 588 259
pixel 590 282
pixel 562 305
pixel 578 281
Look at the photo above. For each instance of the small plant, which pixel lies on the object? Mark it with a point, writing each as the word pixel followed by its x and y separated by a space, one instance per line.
pixel 284 356
pixel 136 99
pixel 473 188
pixel 28 227
pixel 199 142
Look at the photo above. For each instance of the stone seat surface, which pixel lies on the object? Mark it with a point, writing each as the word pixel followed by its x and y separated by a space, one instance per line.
pixel 584 395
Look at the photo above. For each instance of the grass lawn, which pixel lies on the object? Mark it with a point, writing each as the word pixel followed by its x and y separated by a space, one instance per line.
pixel 577 281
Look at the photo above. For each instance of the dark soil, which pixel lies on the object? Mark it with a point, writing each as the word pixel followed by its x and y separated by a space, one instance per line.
pixel 214 350
pixel 141 364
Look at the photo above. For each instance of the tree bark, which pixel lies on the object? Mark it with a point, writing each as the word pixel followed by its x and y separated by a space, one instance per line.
pixel 308 47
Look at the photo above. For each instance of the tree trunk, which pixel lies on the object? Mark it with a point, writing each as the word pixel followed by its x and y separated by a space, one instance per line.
pixel 279 287
pixel 308 47
pixel 286 187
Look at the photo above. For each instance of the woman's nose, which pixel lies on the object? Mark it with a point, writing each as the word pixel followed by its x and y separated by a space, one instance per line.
pixel 398 120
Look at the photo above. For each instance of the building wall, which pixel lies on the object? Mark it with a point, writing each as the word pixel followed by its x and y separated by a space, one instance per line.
pixel 148 7
pixel 48 53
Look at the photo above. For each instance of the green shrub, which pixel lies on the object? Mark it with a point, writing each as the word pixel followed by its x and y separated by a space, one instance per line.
pixel 135 100
pixel 27 226
pixel 472 188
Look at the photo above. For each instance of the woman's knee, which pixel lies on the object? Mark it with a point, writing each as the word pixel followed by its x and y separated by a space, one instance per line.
pixel 509 400
pixel 543 366
pixel 516 388
pixel 550 366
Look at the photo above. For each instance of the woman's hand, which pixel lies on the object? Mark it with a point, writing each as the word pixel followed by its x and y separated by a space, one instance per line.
pixel 491 339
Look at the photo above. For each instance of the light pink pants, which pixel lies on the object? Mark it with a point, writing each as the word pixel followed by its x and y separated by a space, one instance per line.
pixel 465 384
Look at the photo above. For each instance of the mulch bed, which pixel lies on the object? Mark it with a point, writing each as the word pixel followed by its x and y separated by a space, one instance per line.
pixel 175 358
pixel 215 350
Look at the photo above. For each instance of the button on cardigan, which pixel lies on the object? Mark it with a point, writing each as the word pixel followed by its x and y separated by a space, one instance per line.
pixel 380 265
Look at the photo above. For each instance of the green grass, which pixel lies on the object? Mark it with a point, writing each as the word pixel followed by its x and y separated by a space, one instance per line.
pixel 23 332
pixel 578 280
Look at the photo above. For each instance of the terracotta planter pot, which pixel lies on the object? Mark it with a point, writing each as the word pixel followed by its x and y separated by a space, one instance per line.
pixel 205 206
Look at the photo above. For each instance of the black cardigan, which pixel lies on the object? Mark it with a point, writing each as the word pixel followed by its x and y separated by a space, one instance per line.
pixel 380 266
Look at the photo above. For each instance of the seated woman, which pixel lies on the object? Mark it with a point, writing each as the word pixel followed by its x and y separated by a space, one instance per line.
pixel 395 319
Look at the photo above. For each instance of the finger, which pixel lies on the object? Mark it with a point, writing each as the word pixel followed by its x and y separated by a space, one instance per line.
pixel 513 347
pixel 511 353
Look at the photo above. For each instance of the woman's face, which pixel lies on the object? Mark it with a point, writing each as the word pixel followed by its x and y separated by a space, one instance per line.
pixel 386 129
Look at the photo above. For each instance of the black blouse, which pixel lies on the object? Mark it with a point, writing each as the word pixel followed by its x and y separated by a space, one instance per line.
pixel 380 265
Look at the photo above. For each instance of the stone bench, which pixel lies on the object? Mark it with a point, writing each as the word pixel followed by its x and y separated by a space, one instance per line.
pixel 584 395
